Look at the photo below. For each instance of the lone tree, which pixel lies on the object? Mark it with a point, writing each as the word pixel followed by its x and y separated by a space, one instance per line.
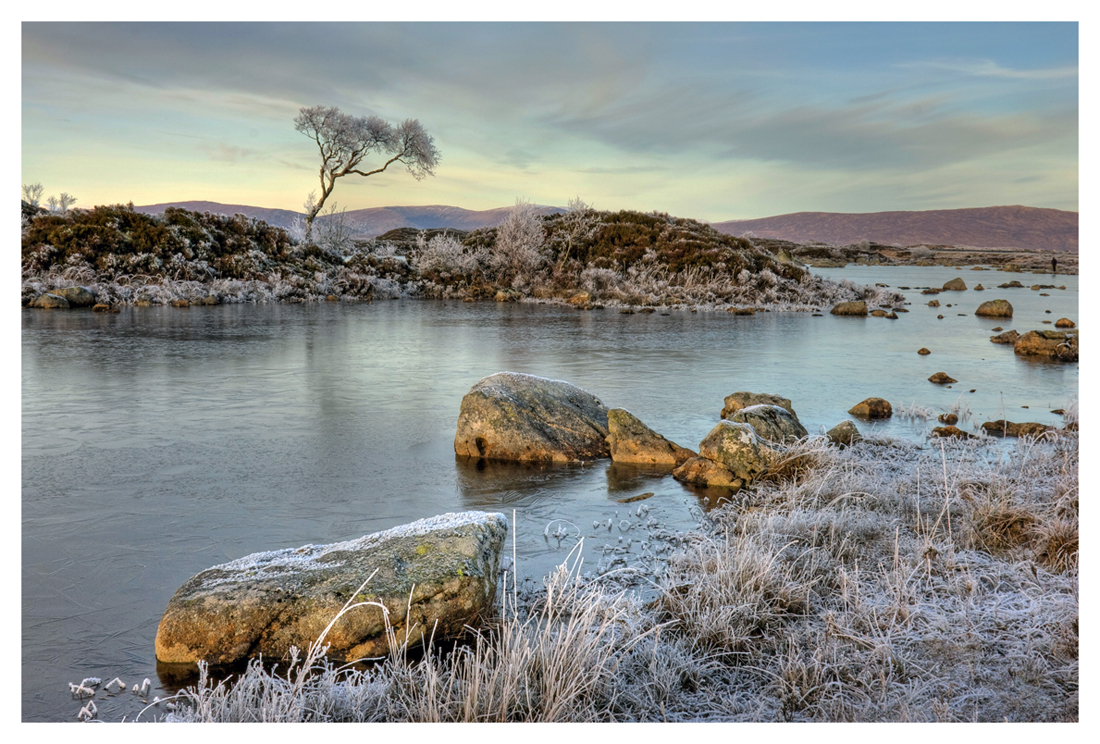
pixel 344 141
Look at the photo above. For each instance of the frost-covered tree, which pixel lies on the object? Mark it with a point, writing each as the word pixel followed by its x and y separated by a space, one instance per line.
pixel 32 193
pixel 518 248
pixel 345 140
pixel 579 222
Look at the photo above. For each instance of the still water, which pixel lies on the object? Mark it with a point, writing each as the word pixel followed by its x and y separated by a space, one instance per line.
pixel 160 441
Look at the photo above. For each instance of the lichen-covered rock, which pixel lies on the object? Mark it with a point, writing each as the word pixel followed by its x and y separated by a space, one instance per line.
pixel 50 301
pixel 1008 337
pixel 844 434
pixel 700 471
pixel 942 378
pixel 1005 428
pixel 956 284
pixel 632 441
pixel 773 423
pixel 513 416
pixel 1058 345
pixel 736 401
pixel 872 408
pixel 76 296
pixel 995 309
pixel 267 602
pixel 951 431
pixel 737 448
pixel 859 307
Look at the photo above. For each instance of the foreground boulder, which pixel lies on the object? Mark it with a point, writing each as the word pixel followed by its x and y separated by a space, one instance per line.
pixel 265 603
pixel 995 309
pixel 844 434
pixel 737 448
pixel 1005 428
pixel 872 408
pixel 850 308
pixel 772 423
pixel 512 416
pixel 1055 344
pixel 736 401
pixel 632 441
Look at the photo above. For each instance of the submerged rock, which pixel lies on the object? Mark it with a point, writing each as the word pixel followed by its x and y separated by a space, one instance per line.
pixel 951 431
pixel 773 423
pixel 844 434
pixel 737 448
pixel 513 416
pixel 858 307
pixel 995 309
pixel 736 401
pixel 632 441
pixel 1008 337
pixel 267 602
pixel 941 378
pixel 872 408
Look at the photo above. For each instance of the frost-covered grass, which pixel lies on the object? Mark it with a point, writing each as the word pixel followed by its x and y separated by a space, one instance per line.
pixel 883 582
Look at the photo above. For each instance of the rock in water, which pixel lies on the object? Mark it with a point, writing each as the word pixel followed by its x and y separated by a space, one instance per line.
pixel 513 416
pixel 1064 323
pixel 858 307
pixel 736 401
pixel 1005 428
pixel 50 301
pixel 956 284
pixel 844 434
pixel 76 296
pixel 700 471
pixel 1058 345
pixel 1008 337
pixel 267 602
pixel 738 449
pixel 942 378
pixel 872 408
pixel 772 423
pixel 923 352
pixel 950 431
pixel 995 309
pixel 632 441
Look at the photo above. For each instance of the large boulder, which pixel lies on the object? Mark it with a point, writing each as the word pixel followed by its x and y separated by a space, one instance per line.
pixel 699 471
pixel 632 441
pixel 872 408
pixel 956 284
pixel 737 448
pixel 512 416
pixel 772 423
pixel 995 309
pixel 76 296
pixel 736 401
pixel 858 307
pixel 267 602
pixel 1055 344
pixel 50 301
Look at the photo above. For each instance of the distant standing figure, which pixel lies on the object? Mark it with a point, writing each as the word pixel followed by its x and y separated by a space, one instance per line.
pixel 1054 265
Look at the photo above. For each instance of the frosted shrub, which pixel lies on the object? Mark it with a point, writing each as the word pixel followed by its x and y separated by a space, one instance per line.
pixel 920 251
pixel 518 248
pixel 600 280
pixel 445 254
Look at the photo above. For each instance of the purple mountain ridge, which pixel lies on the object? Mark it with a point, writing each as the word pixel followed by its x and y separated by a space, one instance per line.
pixel 982 227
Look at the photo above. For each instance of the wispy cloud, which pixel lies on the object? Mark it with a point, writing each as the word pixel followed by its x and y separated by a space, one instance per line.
pixel 223 151
pixel 989 68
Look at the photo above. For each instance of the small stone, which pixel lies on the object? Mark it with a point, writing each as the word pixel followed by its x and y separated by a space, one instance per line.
pixel 872 408
pixel 1064 323
pixel 941 378
pixel 923 352
pixel 948 418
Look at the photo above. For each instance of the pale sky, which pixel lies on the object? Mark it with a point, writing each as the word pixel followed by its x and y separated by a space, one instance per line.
pixel 713 121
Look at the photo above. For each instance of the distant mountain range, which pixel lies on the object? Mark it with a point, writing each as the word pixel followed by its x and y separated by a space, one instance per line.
pixel 984 227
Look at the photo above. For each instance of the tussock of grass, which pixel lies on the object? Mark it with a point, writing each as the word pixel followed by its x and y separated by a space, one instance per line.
pixel 881 582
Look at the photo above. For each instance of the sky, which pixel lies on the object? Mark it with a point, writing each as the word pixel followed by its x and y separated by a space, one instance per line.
pixel 712 121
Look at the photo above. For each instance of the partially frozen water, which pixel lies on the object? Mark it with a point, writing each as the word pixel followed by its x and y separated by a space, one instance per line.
pixel 161 441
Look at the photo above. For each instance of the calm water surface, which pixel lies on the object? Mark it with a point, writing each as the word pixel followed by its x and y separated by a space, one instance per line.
pixel 160 441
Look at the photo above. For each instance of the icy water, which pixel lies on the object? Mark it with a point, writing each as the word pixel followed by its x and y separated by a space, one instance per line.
pixel 160 441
